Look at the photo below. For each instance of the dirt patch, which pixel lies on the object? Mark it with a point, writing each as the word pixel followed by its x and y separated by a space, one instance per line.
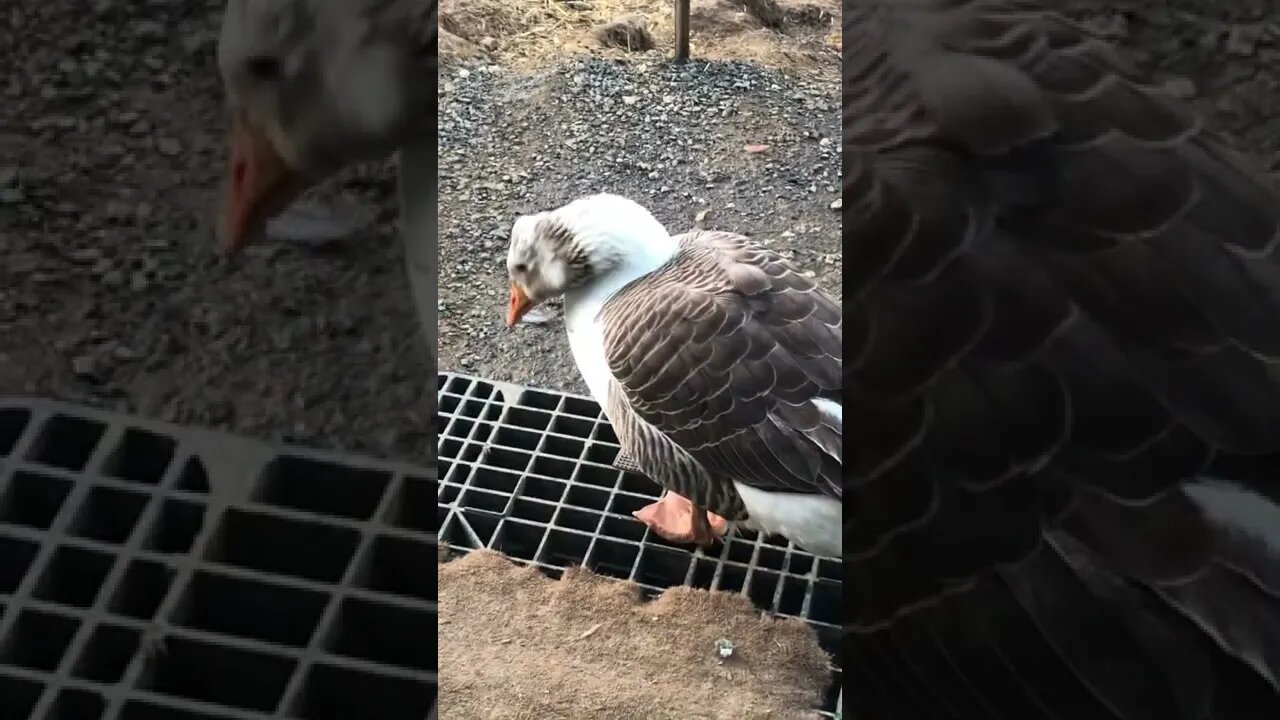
pixel 517 644
pixel 530 33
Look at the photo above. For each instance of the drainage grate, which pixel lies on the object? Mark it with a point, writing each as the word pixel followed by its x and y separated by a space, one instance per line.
pixel 151 572
pixel 529 473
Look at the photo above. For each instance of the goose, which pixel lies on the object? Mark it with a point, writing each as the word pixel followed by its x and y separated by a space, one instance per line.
pixel 313 86
pixel 1064 291
pixel 716 362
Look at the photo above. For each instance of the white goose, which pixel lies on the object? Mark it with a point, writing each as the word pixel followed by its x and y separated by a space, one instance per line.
pixel 717 363
pixel 316 85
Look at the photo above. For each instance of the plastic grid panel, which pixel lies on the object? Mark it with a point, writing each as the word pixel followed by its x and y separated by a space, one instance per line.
pixel 529 473
pixel 138 581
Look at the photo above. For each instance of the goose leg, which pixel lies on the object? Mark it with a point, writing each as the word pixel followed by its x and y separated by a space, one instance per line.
pixel 673 517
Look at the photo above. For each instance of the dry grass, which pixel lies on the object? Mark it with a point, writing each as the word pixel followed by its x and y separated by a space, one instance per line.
pixel 528 33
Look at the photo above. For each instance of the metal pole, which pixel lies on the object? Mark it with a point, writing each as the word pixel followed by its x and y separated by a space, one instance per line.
pixel 682 30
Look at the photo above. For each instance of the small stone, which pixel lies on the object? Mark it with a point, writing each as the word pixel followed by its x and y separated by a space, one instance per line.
pixel 140 128
pixel 168 147
pixel 85 256
pixel 84 367
pixel 8 175
pixel 837 204
pixel 630 99
pixel 11 196
pixel 489 43
pixel 113 278
pixel 1180 87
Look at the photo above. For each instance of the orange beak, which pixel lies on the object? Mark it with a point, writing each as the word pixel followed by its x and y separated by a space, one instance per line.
pixel 519 305
pixel 260 185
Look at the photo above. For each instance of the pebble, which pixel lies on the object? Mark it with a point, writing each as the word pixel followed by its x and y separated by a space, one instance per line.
pixel 168 146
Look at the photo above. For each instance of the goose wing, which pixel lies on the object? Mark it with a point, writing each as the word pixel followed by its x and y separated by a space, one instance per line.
pixel 730 358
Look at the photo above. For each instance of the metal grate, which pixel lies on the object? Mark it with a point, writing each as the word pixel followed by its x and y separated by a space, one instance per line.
pixel 151 572
pixel 529 473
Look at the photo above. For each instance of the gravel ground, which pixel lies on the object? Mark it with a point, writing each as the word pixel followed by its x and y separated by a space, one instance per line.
pixel 671 138
pixel 111 151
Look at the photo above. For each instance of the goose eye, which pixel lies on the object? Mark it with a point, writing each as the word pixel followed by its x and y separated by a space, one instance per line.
pixel 521 268
pixel 263 67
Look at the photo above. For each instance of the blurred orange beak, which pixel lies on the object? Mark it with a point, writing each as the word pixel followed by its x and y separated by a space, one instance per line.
pixel 259 186
pixel 518 306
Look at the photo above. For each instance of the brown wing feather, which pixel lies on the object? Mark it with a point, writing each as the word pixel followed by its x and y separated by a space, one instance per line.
pixel 1065 302
pixel 721 352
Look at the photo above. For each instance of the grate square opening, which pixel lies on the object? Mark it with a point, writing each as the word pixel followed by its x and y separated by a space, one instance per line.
pixel 794 591
pixel 12 422
pixel 704 573
pixel 587 498
pixel 321 487
pixel 535 420
pixel 600 476
pixel 38 641
pixel 73 577
pixel 217 674
pixel 141 457
pixel 449 404
pixel 66 442
pixel 613 558
pixel 399 566
pixel 540 400
pixel 495 480
pixel 584 522
pixel 458 530
pixel 332 693
pixel 108 515
pixel 624 504
pixel 562 446
pixel 32 500
pixel 580 407
pixel 518 539
pixel 147 710
pixel 739 551
pixel 289 547
pixel 473 408
pixel 175 528
pixel 514 460
pixel 640 485
pixel 763 587
pixel 622 528
pixel 572 426
pixel 830 569
pixel 447 493
pixel 384 633
pixel 661 567
pixel 18 556
pixel 771 558
pixel 77 704
pixel 604 434
pixel 552 467
pixel 534 510
pixel 18 697
pixel 193 477
pixel 543 489
pixel 824 606
pixel 409 510
pixel 484 500
pixel 142 589
pixel 516 438
pixel 249 608
pixel 800 563
pixel 565 549
pixel 107 655
pixel 732 579
pixel 449 448
pixel 603 454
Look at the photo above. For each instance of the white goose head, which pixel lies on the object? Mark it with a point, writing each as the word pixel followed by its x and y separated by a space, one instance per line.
pixel 313 86
pixel 598 241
